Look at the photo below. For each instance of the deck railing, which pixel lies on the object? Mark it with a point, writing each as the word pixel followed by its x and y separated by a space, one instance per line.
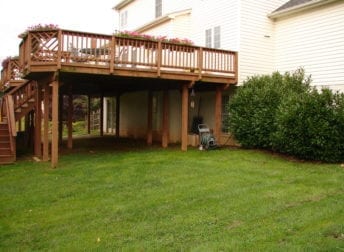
pixel 11 72
pixel 63 47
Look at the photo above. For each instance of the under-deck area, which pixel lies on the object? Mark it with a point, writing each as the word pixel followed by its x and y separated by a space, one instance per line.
pixel 57 63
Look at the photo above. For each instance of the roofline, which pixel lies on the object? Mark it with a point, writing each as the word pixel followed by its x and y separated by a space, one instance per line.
pixel 162 19
pixel 299 8
pixel 122 4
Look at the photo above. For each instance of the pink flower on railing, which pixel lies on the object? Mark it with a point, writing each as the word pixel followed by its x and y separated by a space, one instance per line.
pixel 38 27
pixel 136 35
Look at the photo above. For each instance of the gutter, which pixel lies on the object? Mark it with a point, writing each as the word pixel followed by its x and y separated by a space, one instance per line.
pixel 122 4
pixel 299 8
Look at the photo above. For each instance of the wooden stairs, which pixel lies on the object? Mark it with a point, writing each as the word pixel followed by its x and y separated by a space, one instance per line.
pixel 7 152
pixel 14 105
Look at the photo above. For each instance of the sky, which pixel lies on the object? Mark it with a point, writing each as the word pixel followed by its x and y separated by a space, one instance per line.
pixel 80 15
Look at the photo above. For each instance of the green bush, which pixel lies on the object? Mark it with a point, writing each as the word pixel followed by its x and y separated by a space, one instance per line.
pixel 311 126
pixel 253 108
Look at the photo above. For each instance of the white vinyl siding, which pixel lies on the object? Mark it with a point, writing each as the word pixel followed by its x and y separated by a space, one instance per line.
pixel 142 12
pixel 313 40
pixel 256 51
pixel 178 27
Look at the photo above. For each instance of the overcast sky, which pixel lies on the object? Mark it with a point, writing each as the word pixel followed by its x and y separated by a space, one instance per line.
pixel 80 15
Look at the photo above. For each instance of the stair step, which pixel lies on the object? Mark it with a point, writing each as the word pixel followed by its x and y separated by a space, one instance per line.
pixel 7 159
pixel 5 151
pixel 4 144
pixel 18 110
pixel 4 137
pixel 25 105
pixel 31 100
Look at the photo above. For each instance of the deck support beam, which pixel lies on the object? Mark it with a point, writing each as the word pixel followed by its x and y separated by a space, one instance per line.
pixel 149 118
pixel 60 118
pixel 165 119
pixel 118 109
pixel 38 122
pixel 184 129
pixel 70 118
pixel 101 119
pixel 55 122
pixel 46 105
pixel 218 113
pixel 88 114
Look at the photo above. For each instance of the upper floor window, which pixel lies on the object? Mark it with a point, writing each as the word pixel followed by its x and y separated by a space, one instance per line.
pixel 213 37
pixel 124 19
pixel 208 38
pixel 158 8
pixel 217 37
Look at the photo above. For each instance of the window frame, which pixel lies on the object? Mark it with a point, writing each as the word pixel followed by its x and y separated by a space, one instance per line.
pixel 208 38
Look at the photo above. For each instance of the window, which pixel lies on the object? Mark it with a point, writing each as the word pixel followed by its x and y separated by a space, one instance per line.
pixel 217 37
pixel 208 38
pixel 124 19
pixel 158 8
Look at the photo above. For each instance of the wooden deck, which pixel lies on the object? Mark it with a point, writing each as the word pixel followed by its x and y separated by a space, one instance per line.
pixel 79 52
pixel 54 63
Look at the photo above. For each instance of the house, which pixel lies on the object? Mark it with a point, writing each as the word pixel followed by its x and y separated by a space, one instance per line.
pixel 270 35
pixel 277 35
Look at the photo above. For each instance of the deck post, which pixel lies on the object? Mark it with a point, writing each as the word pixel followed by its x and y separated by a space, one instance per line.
pixel 60 118
pixel 101 119
pixel 55 122
pixel 70 118
pixel 165 119
pixel 20 125
pixel 184 129
pixel 218 113
pixel 150 118
pixel 46 103
pixel 38 122
pixel 88 114
pixel 118 104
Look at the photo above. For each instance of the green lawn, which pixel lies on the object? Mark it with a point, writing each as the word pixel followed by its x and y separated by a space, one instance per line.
pixel 154 199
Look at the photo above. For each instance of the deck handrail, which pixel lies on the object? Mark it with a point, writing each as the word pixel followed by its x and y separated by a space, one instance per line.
pixel 7 111
pixel 65 47
pixel 22 94
pixel 11 72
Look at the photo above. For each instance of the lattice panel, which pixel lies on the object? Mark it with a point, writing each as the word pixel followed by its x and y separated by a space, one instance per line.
pixel 15 70
pixel 44 46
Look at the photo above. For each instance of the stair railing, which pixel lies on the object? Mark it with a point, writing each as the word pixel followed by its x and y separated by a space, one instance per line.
pixel 22 94
pixel 7 110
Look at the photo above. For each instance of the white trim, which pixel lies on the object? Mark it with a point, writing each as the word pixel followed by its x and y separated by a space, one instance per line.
pixel 122 4
pixel 162 19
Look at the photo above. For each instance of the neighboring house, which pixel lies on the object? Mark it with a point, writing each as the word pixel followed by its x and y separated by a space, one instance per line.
pixel 269 35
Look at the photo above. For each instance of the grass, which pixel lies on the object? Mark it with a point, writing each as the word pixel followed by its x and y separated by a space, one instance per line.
pixel 156 199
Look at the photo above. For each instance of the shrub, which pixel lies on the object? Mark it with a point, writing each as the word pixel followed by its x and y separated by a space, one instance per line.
pixel 253 108
pixel 311 126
